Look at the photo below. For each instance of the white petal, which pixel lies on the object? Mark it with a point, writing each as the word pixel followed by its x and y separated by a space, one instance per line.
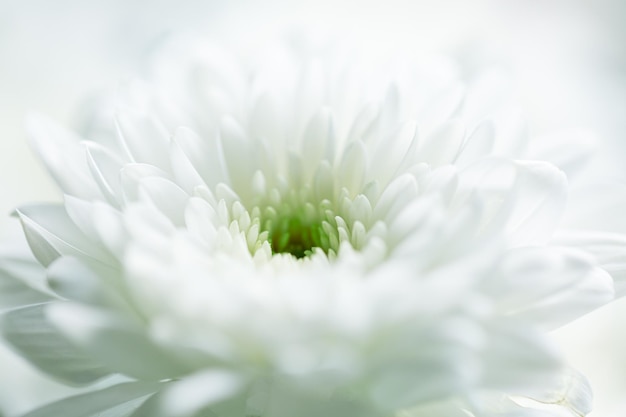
pixel 395 197
pixel 550 285
pixel 443 145
pixel 64 157
pixel 123 347
pixel 14 292
pixel 609 250
pixel 352 168
pixel 99 403
pixel 184 171
pixel 146 139
pixel 90 283
pixel 532 364
pixel 238 153
pixel 105 167
pixel 574 394
pixel 19 263
pixel 197 392
pixel 51 232
pixel 443 107
pixel 540 202
pixel 204 153
pixel 201 219
pixel 527 198
pixel 166 196
pixel 479 143
pixel 132 174
pixel 318 142
pixel 29 331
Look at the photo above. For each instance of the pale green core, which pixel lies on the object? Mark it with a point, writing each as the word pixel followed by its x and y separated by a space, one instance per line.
pixel 301 229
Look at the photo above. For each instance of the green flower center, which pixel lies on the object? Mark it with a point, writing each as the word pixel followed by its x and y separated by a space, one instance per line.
pixel 302 229
pixel 298 237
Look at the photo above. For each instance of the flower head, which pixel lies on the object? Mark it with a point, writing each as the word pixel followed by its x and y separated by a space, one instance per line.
pixel 304 236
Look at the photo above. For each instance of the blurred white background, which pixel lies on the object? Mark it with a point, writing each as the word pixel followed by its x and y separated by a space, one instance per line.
pixel 569 57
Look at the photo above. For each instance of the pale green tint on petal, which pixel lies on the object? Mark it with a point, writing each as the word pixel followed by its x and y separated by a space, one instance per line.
pixel 22 279
pixel 487 404
pixel 123 346
pixel 287 398
pixel 574 394
pixel 28 330
pixel 532 364
pixel 494 405
pixel 113 401
pixel 438 409
pixel 91 283
pixel 50 233
pixel 195 393
pixel 368 239
pixel 15 293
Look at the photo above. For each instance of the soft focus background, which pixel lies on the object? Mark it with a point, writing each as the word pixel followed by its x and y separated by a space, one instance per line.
pixel 568 57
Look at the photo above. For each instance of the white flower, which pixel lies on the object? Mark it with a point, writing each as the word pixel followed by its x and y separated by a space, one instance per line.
pixel 303 236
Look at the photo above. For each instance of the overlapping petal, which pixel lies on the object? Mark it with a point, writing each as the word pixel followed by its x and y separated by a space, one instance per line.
pixel 308 236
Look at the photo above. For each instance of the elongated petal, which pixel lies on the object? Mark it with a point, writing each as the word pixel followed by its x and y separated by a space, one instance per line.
pixel 105 402
pixel 107 337
pixel 63 155
pixel 50 233
pixel 550 285
pixel 193 394
pixel 36 338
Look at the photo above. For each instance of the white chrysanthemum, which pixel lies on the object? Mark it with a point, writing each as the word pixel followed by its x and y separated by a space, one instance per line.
pixel 306 237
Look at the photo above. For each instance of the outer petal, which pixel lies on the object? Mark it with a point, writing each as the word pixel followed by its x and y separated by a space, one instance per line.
pixel 22 279
pixel 549 285
pixel 124 347
pixel 50 233
pixel 63 155
pixel 29 331
pixel 608 248
pixel 193 394
pixel 527 198
pixel 113 401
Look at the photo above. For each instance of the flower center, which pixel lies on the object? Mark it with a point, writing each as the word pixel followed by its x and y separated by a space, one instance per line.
pixel 302 220
pixel 301 229
pixel 298 237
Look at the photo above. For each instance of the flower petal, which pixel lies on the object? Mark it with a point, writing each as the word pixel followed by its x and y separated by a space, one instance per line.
pixel 106 337
pixel 64 156
pixel 109 401
pixel 36 338
pixel 195 393
pixel 50 233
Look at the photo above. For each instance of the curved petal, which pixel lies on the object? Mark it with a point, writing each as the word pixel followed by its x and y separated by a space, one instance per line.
pixel 197 392
pixel 112 401
pixel 121 345
pixel 63 155
pixel 37 339
pixel 549 286
pixel 50 233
